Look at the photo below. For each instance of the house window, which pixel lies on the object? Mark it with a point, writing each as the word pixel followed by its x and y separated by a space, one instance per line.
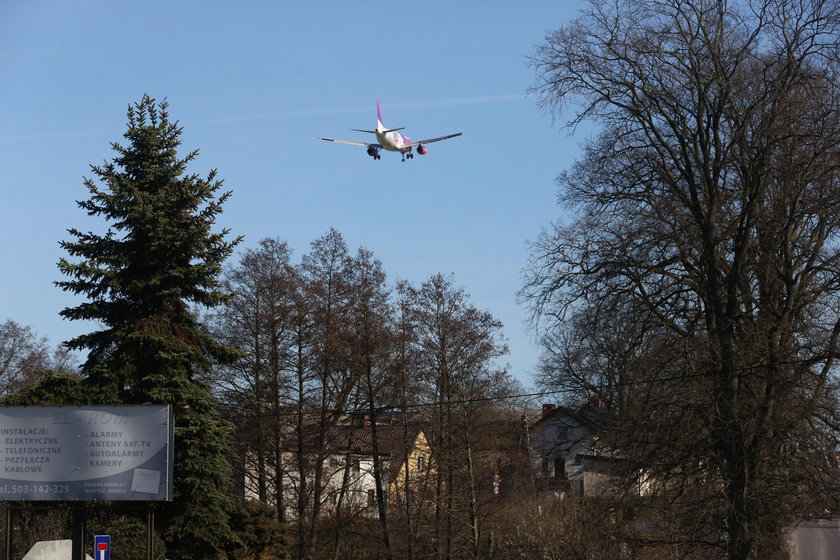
pixel 371 498
pixel 357 465
pixel 421 463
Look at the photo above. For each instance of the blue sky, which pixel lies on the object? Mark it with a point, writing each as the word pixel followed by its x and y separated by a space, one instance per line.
pixel 254 84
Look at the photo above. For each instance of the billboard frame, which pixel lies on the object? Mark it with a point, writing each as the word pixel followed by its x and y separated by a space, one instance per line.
pixel 121 453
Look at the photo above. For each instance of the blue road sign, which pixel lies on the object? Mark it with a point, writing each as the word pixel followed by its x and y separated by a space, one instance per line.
pixel 102 547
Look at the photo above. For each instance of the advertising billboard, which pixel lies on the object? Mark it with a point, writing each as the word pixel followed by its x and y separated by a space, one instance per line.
pixel 86 453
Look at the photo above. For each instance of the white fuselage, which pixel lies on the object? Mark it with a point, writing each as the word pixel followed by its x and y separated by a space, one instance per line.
pixel 390 140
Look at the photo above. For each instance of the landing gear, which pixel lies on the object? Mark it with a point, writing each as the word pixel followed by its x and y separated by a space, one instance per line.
pixel 406 156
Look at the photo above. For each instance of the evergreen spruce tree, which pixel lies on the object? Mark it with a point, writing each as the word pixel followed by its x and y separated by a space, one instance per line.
pixel 157 259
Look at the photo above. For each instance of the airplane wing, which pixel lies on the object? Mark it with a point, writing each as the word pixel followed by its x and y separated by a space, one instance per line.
pixel 349 142
pixel 430 140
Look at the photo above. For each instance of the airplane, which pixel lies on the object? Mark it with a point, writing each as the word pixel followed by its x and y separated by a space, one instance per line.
pixel 391 140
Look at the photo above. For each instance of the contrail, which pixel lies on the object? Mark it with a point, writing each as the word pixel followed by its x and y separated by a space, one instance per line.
pixel 458 101
pixel 40 135
pixel 290 114
pixel 358 109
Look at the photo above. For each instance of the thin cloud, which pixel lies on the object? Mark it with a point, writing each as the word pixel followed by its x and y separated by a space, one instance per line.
pixel 357 109
pixel 289 115
pixel 42 135
pixel 458 101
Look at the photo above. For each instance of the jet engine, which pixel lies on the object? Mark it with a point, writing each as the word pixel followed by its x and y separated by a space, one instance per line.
pixel 422 150
pixel 373 152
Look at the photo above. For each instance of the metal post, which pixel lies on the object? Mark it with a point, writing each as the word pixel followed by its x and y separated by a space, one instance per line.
pixel 8 555
pixel 150 531
pixel 79 515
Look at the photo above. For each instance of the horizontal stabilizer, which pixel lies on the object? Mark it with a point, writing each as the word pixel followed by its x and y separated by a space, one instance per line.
pixel 374 132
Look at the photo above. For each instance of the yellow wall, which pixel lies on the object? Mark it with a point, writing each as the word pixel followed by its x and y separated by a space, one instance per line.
pixel 396 489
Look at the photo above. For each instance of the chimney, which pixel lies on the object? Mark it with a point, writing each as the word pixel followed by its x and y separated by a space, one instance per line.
pixel 595 402
pixel 548 409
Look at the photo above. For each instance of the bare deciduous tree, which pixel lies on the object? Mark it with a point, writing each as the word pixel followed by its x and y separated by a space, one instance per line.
pixel 260 318
pixel 372 348
pixel 457 346
pixel 708 215
pixel 23 354
pixel 326 383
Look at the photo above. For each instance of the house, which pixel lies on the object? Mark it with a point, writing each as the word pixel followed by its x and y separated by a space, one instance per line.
pixel 346 455
pixel 410 465
pixel 564 450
